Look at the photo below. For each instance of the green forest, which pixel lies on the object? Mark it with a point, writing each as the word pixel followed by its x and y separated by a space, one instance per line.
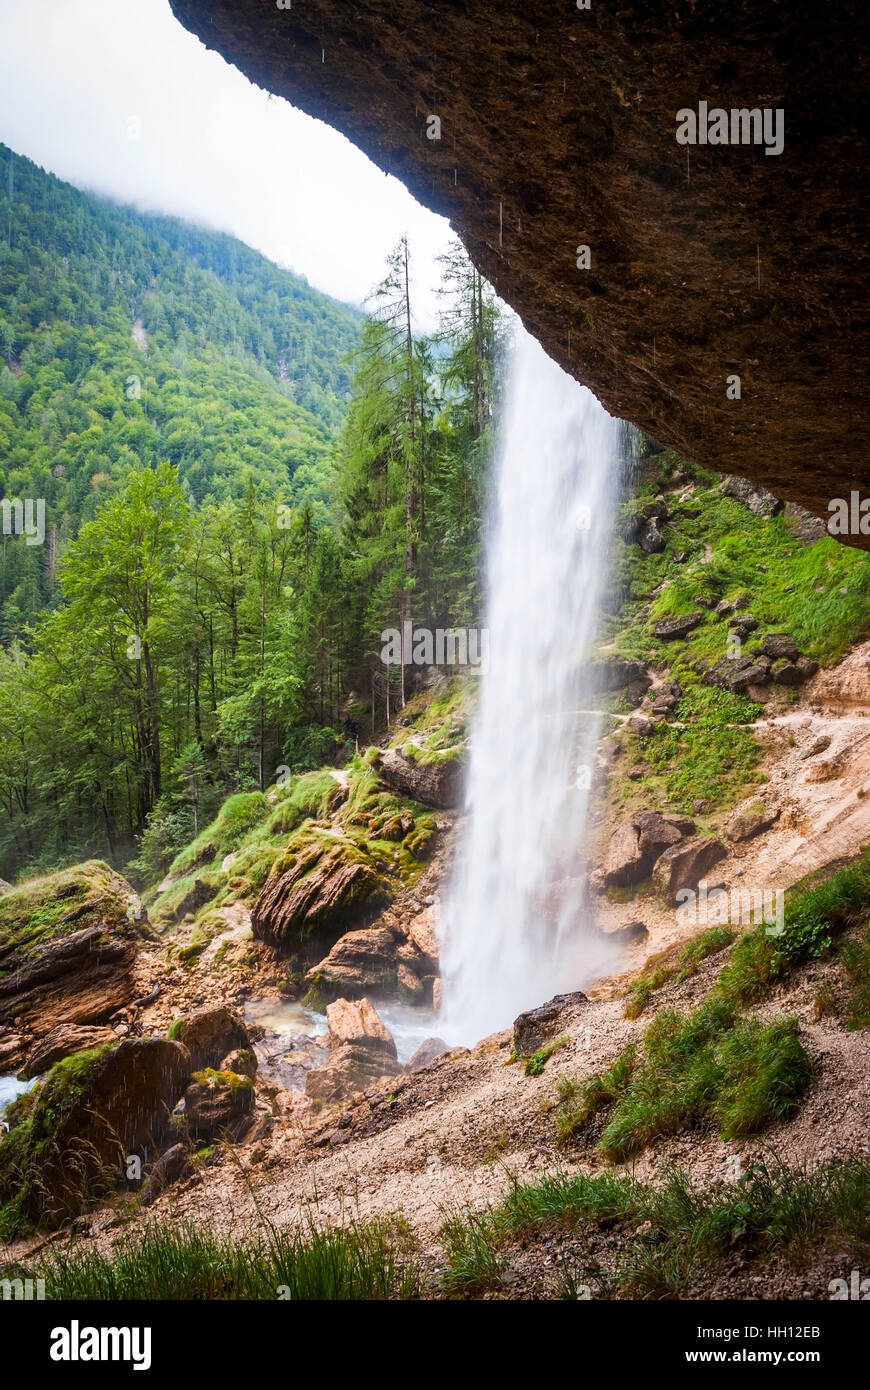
pixel 244 482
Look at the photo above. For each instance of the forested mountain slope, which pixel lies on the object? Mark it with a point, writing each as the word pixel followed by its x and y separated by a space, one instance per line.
pixel 127 339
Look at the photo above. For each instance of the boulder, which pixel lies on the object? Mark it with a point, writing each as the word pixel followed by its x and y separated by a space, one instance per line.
pixel 655 835
pixel 685 864
pixel 788 673
pixel 359 962
pixel 671 628
pixel 94 1109
pixel 210 1033
pixel 218 1103
pixel 616 673
pixel 759 501
pixel 625 863
pixel 67 950
pixel 637 844
pixel 331 882
pixel 649 536
pixel 428 1050
pixel 756 673
pixel 361 1051
pixel 433 779
pixel 536 1027
pixel 242 1060
pixel 749 821
pixel 780 644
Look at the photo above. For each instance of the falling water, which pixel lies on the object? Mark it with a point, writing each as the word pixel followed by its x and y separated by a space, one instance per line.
pixel 514 928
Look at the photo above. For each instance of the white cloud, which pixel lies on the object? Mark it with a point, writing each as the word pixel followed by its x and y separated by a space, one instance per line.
pixel 75 75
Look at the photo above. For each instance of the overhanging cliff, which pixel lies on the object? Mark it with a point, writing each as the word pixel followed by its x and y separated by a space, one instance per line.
pixel 558 131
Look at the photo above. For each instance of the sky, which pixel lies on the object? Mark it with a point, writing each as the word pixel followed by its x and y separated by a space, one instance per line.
pixel 116 97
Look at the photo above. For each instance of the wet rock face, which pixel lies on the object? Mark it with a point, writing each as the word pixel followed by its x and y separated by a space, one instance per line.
pixel 94 1110
pixel 558 131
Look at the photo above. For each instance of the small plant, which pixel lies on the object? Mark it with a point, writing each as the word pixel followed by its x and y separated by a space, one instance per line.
pixel 855 959
pixel 538 1060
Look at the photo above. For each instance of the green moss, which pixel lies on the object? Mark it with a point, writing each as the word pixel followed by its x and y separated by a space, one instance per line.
pixel 175 1030
pixel 212 1078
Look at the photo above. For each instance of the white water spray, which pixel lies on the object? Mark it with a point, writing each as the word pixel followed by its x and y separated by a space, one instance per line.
pixel 514 927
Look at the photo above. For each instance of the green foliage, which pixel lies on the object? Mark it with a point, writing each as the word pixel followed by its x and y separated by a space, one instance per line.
pixel 662 1240
pixel 709 752
pixel 708 1064
pixel 820 592
pixel 579 1101
pixel 763 1072
pixel 236 508
pixel 855 960
pixel 676 964
pixel 538 1060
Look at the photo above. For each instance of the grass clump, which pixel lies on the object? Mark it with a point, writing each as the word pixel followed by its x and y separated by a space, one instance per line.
pixel 663 1240
pixel 473 1265
pixel 355 1262
pixel 708 1065
pixel 855 960
pixel 579 1101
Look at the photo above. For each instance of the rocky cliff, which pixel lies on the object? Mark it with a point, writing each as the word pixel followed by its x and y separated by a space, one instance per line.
pixel 539 129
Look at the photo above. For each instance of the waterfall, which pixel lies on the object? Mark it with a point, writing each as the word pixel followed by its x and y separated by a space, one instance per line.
pixel 514 928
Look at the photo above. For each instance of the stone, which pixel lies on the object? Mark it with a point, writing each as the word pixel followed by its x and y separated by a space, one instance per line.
pixel 332 882
pixel 788 673
pixel 428 1050
pixel 751 820
pixel 536 1027
pixel 757 673
pixel 436 782
pixel 218 1103
pixel 616 673
pixel 359 962
pixel 94 1109
pixel 172 1166
pixel 210 1034
pixel 818 745
pixel 81 972
pixel 61 1042
pixel 640 725
pixel 625 863
pixel 655 836
pixel 242 1060
pixel 780 644
pixel 649 536
pixel 685 864
pixel 759 501
pixel 671 628
pixel 362 1050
